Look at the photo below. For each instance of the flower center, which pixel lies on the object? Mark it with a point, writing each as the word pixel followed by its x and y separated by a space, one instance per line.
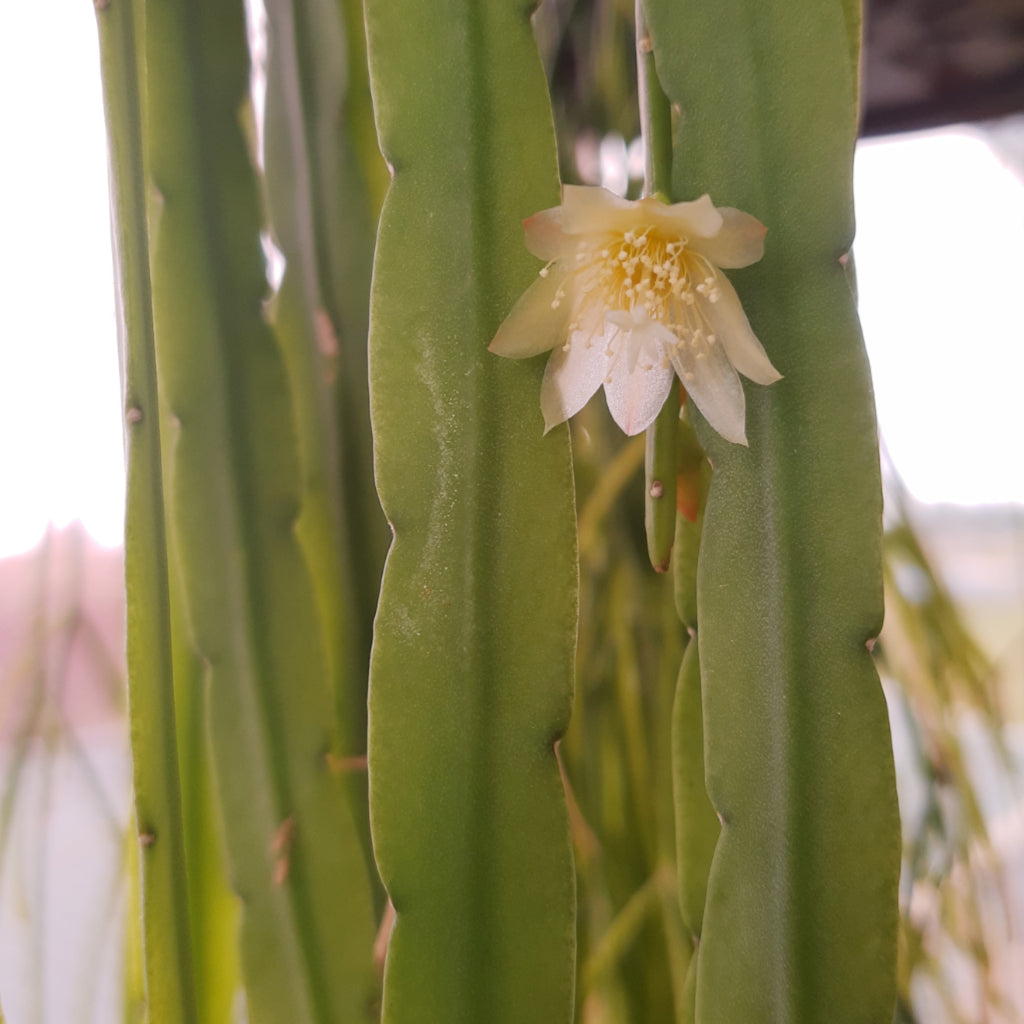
pixel 642 268
pixel 647 275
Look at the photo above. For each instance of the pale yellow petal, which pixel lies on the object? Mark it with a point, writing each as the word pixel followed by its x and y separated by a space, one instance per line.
pixel 571 378
pixel 715 388
pixel 698 217
pixel 591 210
pixel 587 209
pixel 536 323
pixel 544 235
pixel 738 243
pixel 732 328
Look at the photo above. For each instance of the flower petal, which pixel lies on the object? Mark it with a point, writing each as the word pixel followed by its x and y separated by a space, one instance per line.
pixel 635 398
pixel 698 217
pixel 733 330
pixel 534 326
pixel 715 388
pixel 544 235
pixel 587 209
pixel 571 378
pixel 739 243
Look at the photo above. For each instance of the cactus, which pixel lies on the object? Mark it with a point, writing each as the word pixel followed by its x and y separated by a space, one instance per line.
pixel 471 675
pixel 170 976
pixel 727 781
pixel 797 751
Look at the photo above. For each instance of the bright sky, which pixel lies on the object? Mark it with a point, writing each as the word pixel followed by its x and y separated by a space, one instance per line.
pixel 940 261
pixel 940 270
pixel 60 442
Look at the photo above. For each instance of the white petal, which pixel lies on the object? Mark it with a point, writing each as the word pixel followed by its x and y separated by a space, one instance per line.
pixel 534 326
pixel 635 398
pixel 621 318
pixel 638 321
pixel 732 328
pixel 739 243
pixel 544 235
pixel 571 378
pixel 713 385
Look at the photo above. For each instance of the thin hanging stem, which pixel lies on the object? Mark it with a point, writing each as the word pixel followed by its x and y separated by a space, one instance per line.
pixel 660 455
pixel 655 115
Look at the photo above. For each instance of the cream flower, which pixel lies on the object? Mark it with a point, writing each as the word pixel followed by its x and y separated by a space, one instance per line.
pixel 632 296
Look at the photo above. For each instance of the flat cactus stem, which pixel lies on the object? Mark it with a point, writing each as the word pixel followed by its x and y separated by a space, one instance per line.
pixel 322 219
pixel 306 927
pixel 803 887
pixel 471 676
pixel 168 967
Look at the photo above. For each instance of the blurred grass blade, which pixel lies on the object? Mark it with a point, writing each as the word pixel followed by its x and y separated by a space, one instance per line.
pixel 471 678
pixel 622 932
pixel 802 890
pixel 169 973
pixel 306 931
